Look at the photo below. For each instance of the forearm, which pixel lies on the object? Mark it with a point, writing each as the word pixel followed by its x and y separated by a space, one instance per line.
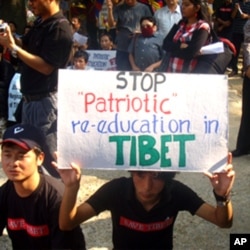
pixel 111 20
pixel 68 208
pixel 132 62
pixel 156 65
pixel 33 61
pixel 224 215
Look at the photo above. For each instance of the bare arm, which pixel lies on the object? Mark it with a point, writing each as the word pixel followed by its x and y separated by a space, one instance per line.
pixel 153 66
pixel 70 214
pixel 132 63
pixel 31 60
pixel 111 20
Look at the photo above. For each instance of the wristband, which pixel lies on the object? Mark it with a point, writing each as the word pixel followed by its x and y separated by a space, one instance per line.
pixel 14 51
pixel 221 200
pixel 222 203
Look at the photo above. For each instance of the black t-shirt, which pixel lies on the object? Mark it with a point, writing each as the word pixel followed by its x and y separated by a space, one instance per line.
pixel 133 226
pixel 32 222
pixel 52 40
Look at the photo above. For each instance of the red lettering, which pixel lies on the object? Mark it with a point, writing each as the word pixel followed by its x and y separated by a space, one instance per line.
pixel 145 227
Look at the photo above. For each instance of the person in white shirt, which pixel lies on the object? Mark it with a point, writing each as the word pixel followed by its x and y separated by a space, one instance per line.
pixel 167 16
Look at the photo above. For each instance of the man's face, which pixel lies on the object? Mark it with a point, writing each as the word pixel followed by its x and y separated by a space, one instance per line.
pixel 130 2
pixel 75 23
pixel 171 2
pixel 80 63
pixel 39 7
pixel 19 164
pixel 147 186
pixel 106 43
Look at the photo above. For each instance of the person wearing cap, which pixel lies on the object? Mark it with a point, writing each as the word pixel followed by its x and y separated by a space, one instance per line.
pixel 44 50
pixel 30 201
pixel 145 206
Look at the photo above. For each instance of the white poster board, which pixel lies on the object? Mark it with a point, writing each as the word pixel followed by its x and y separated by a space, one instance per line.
pixel 102 59
pixel 14 96
pixel 134 120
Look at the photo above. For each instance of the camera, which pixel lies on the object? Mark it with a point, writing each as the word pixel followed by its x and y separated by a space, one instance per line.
pixel 3 27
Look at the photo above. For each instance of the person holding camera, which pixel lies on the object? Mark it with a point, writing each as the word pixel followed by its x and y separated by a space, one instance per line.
pixel 42 51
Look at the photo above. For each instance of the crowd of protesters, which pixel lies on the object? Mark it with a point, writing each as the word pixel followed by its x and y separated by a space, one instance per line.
pixel 54 41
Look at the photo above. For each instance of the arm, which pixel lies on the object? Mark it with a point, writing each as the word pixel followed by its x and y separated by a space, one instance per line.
pixel 222 214
pixel 153 66
pixel 192 49
pixel 70 215
pixel 31 60
pixel 235 10
pixel 111 20
pixel 132 63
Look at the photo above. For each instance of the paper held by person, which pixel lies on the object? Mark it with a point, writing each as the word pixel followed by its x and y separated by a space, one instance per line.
pixel 214 48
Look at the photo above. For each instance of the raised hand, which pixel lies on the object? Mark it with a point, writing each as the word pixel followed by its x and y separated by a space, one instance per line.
pixel 71 176
pixel 223 182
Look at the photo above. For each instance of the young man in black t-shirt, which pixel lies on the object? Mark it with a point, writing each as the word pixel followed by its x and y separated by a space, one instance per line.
pixel 30 201
pixel 145 206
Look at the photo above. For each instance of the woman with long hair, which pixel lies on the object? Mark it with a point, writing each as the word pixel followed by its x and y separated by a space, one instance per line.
pixel 185 39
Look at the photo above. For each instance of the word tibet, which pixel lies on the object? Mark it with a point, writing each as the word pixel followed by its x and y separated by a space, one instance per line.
pixel 145 147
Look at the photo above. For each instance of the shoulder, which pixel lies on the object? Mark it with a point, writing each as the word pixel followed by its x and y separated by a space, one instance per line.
pixel 58 21
pixel 186 197
pixel 119 185
pixel 52 185
pixel 142 6
pixel 118 182
pixel 203 25
pixel 8 185
pixel 180 188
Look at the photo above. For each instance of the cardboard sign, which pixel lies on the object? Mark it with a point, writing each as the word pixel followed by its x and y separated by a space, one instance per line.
pixel 102 59
pixel 149 121
pixel 14 96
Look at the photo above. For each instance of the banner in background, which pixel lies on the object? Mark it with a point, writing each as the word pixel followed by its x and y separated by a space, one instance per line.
pixel 102 59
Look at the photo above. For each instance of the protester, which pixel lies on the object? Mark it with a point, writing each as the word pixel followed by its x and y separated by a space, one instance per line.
pixel 145 206
pixel 43 50
pixel 106 42
pixel 185 40
pixel 145 50
pixel 167 16
pixel 80 38
pixel 240 15
pixel 126 18
pixel 30 201
pixel 223 19
pixel 80 60
pixel 243 139
pixel 102 20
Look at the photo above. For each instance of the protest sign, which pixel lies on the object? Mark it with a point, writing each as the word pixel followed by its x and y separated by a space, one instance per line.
pixel 14 96
pixel 149 121
pixel 102 59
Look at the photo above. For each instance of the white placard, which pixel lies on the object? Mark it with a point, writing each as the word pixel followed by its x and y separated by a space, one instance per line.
pixel 102 59
pixel 134 120
pixel 14 96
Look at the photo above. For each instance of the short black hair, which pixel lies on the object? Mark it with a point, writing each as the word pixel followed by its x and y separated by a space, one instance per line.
pixel 81 53
pixel 106 34
pixel 149 18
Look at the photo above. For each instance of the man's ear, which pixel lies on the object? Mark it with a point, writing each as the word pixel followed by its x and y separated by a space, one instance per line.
pixel 40 159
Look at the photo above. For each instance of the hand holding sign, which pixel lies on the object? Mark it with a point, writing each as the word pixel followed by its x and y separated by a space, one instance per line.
pixel 222 182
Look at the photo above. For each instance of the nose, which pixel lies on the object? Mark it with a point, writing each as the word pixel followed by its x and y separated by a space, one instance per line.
pixel 147 183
